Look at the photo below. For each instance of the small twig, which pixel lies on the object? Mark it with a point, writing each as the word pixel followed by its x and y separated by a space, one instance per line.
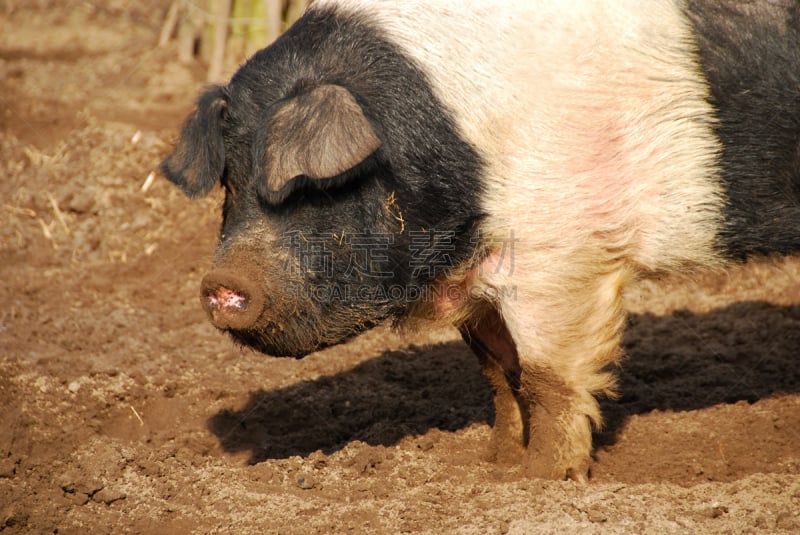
pixel 392 207
pixel 59 214
pixel 35 157
pixel 20 211
pixel 141 422
pixel 148 181
pixel 47 233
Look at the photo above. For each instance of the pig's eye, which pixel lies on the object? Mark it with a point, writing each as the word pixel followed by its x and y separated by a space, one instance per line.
pixel 319 139
pixel 303 184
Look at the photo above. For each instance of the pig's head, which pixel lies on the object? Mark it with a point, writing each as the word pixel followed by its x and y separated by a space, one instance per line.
pixel 347 189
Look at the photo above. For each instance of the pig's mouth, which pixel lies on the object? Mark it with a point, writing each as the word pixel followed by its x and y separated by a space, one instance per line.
pixel 236 305
pixel 236 313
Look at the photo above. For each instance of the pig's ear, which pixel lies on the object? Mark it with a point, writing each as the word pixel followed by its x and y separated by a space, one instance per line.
pixel 312 138
pixel 198 160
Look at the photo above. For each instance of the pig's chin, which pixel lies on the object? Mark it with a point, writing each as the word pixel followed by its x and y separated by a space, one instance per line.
pixel 262 344
pixel 281 345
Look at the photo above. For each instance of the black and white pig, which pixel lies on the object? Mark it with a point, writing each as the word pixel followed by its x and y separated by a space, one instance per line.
pixel 508 166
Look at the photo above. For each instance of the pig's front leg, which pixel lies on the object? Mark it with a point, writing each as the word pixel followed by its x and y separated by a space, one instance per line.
pixel 487 336
pixel 565 327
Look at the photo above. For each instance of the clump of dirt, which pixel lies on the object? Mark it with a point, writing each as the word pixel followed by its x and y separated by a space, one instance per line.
pixel 124 411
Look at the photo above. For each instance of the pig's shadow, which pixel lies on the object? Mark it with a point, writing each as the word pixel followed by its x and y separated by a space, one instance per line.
pixel 380 401
pixel 681 362
pixel 747 351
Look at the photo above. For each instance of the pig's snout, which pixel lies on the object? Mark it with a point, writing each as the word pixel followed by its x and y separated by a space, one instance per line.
pixel 230 300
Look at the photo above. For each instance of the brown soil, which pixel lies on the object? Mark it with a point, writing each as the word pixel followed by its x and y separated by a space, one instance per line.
pixel 124 411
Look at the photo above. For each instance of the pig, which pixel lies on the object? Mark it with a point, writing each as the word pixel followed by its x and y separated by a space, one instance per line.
pixel 508 167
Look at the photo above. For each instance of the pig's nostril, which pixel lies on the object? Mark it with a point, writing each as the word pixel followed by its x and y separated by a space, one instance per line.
pixel 231 300
pixel 226 298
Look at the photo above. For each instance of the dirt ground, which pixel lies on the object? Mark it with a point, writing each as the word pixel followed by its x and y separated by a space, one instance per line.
pixel 122 410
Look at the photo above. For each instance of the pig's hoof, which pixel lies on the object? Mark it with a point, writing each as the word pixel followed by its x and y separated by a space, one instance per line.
pixel 505 446
pixel 560 455
pixel 502 452
pixel 577 471
pixel 580 477
pixel 560 444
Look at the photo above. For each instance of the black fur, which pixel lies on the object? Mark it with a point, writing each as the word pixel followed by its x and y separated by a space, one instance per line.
pixel 750 54
pixel 198 161
pixel 433 172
